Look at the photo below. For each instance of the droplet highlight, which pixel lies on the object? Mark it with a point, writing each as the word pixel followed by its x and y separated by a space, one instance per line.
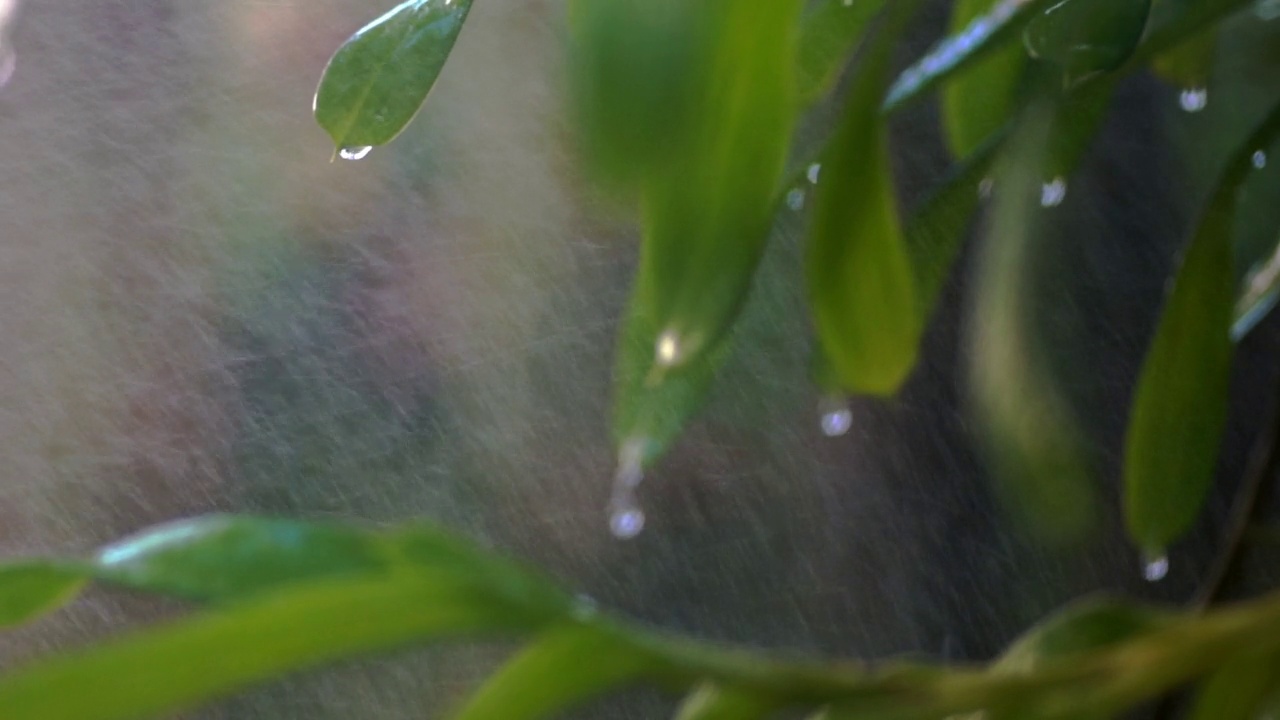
pixel 813 172
pixel 1053 192
pixel 986 188
pixel 355 153
pixel 837 418
pixel 667 349
pixel 1193 100
pixel 1260 159
pixel 1156 568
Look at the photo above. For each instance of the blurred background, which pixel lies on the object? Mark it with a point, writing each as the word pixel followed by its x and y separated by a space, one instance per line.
pixel 200 311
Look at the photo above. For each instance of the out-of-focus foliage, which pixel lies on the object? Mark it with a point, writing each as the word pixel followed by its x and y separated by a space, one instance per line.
pixel 689 112
pixel 1098 657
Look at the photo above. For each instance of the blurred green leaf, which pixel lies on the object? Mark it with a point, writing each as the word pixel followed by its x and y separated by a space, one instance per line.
pixel 861 288
pixel 1087 37
pixel 829 32
pixel 1241 690
pixel 376 82
pixel 177 665
pixel 1174 22
pixel 637 67
pixel 987 33
pixel 1258 296
pixel 1180 407
pixel 1028 427
pixel 980 99
pixel 1189 64
pixel 713 702
pixel 30 589
pixel 225 557
pixel 565 667
pixel 708 212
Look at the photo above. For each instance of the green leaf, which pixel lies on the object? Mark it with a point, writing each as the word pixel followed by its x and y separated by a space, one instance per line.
pixel 708 212
pixel 1027 426
pixel 713 702
pixel 828 34
pixel 1189 64
pixel 1242 690
pixel 1087 37
pixel 225 557
pixel 33 588
pixel 637 67
pixel 1180 406
pixel 376 82
pixel 181 664
pixel 1259 295
pixel 860 281
pixel 982 98
pixel 998 28
pixel 562 669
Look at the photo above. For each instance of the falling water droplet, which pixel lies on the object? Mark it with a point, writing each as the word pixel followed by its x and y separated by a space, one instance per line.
pixel 585 607
pixel 626 519
pixel 1053 192
pixel 795 199
pixel 814 171
pixel 1260 159
pixel 986 188
pixel 667 349
pixel 355 153
pixel 836 416
pixel 1194 99
pixel 1155 567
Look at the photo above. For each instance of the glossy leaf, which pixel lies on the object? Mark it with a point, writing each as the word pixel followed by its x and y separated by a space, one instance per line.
pixel 861 285
pixel 178 665
pixel 1179 410
pixel 712 702
pixel 987 33
pixel 708 212
pixel 376 82
pixel 1259 295
pixel 638 67
pixel 1028 427
pixel 562 669
pixel 1242 690
pixel 830 31
pixel 1087 37
pixel 31 589
pixel 980 99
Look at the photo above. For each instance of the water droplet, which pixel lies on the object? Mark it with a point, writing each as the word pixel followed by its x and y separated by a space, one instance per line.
pixel 1260 159
pixel 836 416
pixel 626 519
pixel 986 188
pixel 627 522
pixel 1053 192
pixel 1264 10
pixel 795 199
pixel 813 172
pixel 668 349
pixel 355 153
pixel 1194 99
pixel 1155 567
pixel 848 3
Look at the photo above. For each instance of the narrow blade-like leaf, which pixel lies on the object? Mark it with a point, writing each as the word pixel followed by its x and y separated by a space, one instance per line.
pixel 714 702
pixel 1259 295
pixel 31 589
pixel 1180 406
pixel 1087 37
pixel 860 281
pixel 981 99
pixel 1242 690
pixel 376 82
pixel 560 670
pixel 828 34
